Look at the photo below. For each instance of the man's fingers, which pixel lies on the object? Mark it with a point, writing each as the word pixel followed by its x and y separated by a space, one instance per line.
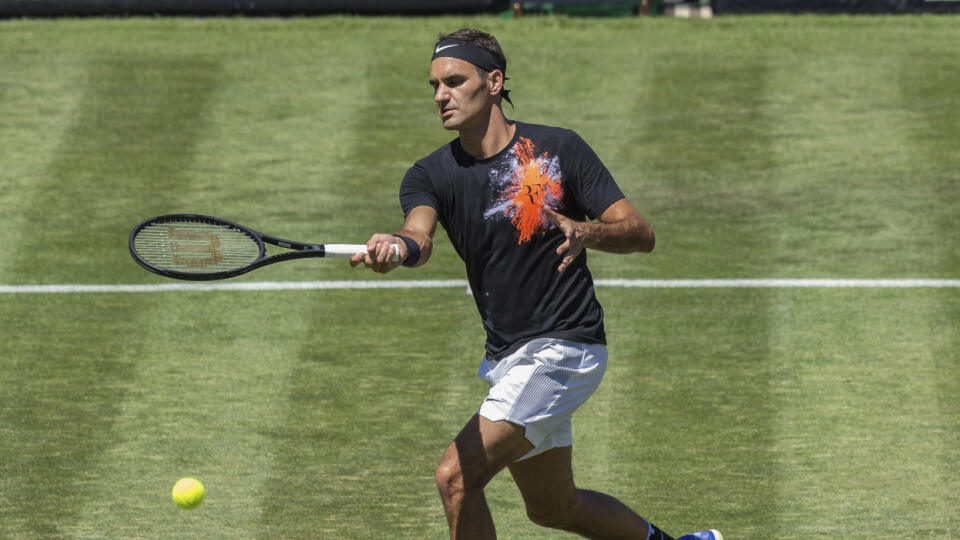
pixel 388 251
pixel 553 215
pixel 573 243
pixel 380 253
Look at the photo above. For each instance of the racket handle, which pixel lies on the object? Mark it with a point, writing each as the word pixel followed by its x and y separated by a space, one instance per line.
pixel 345 251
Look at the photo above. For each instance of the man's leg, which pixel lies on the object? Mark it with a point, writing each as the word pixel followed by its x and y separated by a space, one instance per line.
pixel 481 450
pixel 552 500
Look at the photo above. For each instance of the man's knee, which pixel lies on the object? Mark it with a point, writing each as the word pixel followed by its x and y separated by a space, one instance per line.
pixel 452 480
pixel 449 479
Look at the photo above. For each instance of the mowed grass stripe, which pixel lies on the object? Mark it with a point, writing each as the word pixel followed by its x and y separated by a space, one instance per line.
pixel 673 354
pixel 211 373
pixel 846 165
pixel 368 417
pixel 386 382
pixel 700 115
pixel 208 387
pixel 332 381
pixel 927 93
pixel 862 438
pixel 667 427
pixel 131 136
pixel 38 92
pixel 60 397
pixel 858 422
pixel 35 102
pixel 133 125
pixel 923 82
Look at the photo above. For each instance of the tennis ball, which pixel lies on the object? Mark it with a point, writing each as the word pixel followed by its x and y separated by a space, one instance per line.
pixel 188 493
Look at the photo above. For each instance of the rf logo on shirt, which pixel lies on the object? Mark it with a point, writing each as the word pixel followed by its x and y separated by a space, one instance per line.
pixel 526 183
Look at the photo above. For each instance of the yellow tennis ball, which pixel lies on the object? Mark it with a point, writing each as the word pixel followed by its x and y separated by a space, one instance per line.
pixel 188 493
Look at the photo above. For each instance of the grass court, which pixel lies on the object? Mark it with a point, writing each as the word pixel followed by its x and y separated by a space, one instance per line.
pixel 758 147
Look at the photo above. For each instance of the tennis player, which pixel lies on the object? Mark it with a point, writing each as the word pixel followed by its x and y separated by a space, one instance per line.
pixel 522 204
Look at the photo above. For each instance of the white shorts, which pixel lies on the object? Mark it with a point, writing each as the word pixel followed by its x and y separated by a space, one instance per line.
pixel 540 385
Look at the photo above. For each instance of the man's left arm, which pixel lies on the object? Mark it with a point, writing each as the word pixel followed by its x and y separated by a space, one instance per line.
pixel 619 229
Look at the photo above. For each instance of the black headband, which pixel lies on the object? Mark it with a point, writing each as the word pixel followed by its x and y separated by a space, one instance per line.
pixel 478 56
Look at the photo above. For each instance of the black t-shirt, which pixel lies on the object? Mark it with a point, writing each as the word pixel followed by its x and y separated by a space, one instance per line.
pixel 491 210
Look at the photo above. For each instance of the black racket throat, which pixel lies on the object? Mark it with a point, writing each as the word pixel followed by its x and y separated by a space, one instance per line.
pixel 289 244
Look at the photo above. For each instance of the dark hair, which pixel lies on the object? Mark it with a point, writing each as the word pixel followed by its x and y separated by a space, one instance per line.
pixel 485 41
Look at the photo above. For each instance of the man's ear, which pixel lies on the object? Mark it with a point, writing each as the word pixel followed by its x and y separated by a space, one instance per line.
pixel 495 81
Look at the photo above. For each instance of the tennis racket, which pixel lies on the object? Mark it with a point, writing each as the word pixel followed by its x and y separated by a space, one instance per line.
pixel 200 248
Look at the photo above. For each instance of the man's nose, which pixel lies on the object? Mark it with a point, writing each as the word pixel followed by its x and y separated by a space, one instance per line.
pixel 442 93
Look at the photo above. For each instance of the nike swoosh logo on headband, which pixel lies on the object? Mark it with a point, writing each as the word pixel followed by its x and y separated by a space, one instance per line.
pixel 444 47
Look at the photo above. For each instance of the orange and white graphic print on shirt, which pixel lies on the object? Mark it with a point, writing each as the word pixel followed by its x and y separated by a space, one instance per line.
pixel 527 183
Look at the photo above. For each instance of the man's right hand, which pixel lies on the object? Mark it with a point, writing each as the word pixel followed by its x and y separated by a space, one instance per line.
pixel 380 253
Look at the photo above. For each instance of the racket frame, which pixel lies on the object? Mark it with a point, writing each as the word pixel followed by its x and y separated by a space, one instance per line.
pixel 299 250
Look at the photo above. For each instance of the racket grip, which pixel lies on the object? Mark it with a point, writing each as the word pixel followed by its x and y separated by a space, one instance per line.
pixel 345 251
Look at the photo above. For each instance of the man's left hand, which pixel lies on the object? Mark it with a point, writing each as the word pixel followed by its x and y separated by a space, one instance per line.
pixel 576 237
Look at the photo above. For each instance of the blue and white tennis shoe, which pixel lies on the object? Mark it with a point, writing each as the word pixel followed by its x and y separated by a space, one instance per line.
pixel 703 535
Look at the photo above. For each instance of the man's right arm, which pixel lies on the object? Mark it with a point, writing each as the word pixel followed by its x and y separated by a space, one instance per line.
pixel 419 227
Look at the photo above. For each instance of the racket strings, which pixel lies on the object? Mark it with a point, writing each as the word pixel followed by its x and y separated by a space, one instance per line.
pixel 196 246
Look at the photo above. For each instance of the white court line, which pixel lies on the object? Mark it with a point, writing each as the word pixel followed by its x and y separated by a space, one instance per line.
pixel 450 283
pixel 778 283
pixel 231 286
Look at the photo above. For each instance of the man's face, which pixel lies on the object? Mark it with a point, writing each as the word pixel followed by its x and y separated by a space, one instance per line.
pixel 462 97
